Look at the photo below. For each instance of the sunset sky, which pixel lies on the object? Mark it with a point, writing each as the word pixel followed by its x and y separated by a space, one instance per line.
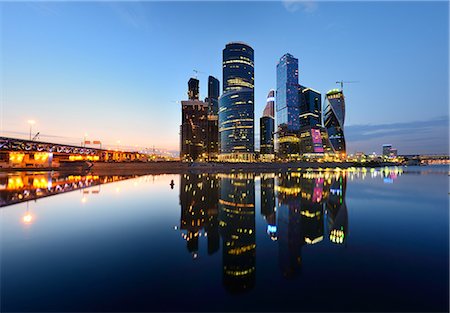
pixel 115 70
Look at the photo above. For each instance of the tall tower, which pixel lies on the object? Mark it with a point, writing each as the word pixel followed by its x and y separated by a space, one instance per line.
pixel 267 128
pixel 213 94
pixel 288 106
pixel 236 105
pixel 334 118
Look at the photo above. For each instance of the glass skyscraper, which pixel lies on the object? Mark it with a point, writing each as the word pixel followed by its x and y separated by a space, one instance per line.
pixel 267 127
pixel 236 105
pixel 213 95
pixel 310 107
pixel 334 118
pixel 288 106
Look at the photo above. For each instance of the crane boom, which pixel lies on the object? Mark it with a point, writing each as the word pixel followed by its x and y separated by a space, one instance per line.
pixel 346 82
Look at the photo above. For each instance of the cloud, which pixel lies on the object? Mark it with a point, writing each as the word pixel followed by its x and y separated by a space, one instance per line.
pixel 303 5
pixel 429 136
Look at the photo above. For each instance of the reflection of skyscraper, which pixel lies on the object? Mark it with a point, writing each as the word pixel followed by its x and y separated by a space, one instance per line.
pixel 312 209
pixel 334 118
pixel 237 228
pixel 236 105
pixel 287 104
pixel 336 211
pixel 198 199
pixel 267 127
pixel 268 206
pixel 289 225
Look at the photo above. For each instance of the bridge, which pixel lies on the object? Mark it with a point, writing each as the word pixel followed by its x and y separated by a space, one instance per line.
pixel 20 153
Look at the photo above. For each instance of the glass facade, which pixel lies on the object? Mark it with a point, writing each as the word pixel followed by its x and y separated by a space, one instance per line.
pixel 287 106
pixel 267 129
pixel 334 117
pixel 213 94
pixel 310 107
pixel 287 103
pixel 238 67
pixel 236 105
pixel 236 125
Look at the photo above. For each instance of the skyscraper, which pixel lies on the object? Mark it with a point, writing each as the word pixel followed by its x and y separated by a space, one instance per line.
pixel 194 125
pixel 267 128
pixel 213 95
pixel 310 107
pixel 313 137
pixel 334 118
pixel 288 107
pixel 193 89
pixel 236 105
pixel 213 119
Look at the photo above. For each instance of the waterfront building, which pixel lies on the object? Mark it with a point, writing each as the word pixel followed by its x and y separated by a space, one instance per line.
pixel 387 149
pixel 287 107
pixel 194 122
pixel 389 152
pixel 334 118
pixel 237 230
pixel 194 125
pixel 236 105
pixel 199 131
pixel 267 129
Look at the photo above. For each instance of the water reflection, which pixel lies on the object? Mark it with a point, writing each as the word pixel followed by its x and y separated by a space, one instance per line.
pixel 24 186
pixel 300 209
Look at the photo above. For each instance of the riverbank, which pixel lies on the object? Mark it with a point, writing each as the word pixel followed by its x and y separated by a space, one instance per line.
pixel 175 167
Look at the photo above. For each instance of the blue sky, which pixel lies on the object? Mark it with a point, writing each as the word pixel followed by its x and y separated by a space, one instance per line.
pixel 114 70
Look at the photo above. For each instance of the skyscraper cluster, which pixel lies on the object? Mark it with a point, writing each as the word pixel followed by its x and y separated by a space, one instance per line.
pixel 222 127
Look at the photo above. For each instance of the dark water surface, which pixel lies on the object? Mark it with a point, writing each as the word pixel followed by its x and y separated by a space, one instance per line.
pixel 359 240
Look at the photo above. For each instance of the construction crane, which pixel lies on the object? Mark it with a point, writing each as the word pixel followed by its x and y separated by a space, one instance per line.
pixel 35 136
pixel 346 82
pixel 197 72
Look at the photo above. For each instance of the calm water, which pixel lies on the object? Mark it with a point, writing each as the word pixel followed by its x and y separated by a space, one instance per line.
pixel 299 241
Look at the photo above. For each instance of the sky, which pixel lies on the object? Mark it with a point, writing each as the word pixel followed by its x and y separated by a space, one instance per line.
pixel 116 71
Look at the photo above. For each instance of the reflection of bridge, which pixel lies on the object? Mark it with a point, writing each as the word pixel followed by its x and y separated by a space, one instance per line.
pixel 27 153
pixel 20 187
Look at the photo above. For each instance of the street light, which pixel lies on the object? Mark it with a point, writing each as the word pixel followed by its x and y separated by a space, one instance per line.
pixel 84 139
pixel 31 122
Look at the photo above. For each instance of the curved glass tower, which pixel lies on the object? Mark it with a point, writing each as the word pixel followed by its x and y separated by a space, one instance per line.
pixel 236 105
pixel 334 117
